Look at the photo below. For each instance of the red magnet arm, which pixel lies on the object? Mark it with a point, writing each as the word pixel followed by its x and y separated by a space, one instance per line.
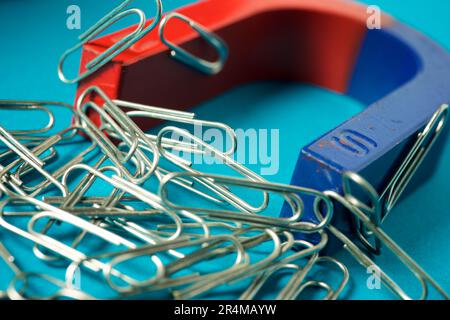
pixel 306 41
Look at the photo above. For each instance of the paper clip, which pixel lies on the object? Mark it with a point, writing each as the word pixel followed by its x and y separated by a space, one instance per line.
pixel 9 154
pixel 199 288
pixel 14 294
pixel 61 215
pixel 120 46
pixel 9 259
pixel 135 110
pixel 131 136
pixel 182 55
pixel 136 191
pixel 64 250
pixel 379 210
pixel 244 270
pixel 63 292
pixel 33 134
pixel 160 173
pixel 147 236
pixel 207 247
pixel 425 140
pixel 202 179
pixel 258 282
pixel 81 155
pixel 21 105
pixel 69 202
pixel 323 205
pixel 351 202
pixel 298 283
pixel 28 157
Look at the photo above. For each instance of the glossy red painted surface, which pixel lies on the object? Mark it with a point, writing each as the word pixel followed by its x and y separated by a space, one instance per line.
pixel 289 40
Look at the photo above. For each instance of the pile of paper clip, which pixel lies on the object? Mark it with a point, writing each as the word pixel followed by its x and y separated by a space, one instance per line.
pixel 126 211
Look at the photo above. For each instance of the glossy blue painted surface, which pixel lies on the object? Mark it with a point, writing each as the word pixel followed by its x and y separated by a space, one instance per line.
pixel 403 77
pixel 34 35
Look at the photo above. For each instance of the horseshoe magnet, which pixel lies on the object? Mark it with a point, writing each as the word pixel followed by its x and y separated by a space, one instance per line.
pixel 401 75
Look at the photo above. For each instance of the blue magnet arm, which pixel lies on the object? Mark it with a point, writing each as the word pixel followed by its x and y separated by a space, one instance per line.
pixel 404 77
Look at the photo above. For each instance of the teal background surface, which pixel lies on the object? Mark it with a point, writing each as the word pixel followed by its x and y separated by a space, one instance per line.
pixel 33 35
